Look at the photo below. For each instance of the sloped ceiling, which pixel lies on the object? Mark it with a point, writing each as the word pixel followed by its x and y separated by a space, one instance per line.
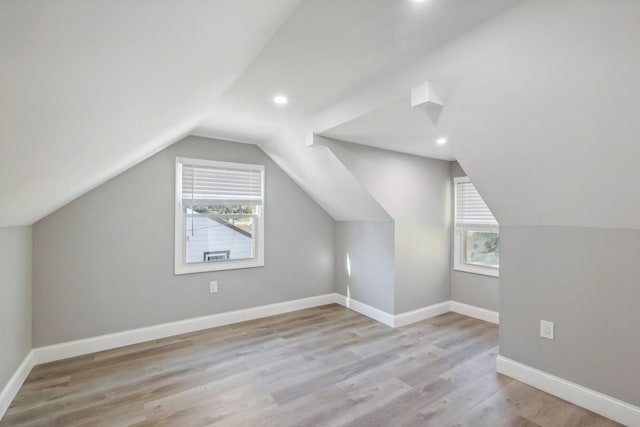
pixel 541 110
pixel 397 127
pixel 540 97
pixel 329 50
pixel 333 60
pixel 89 88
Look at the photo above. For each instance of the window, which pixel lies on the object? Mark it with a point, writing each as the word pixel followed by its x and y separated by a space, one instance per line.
pixel 219 216
pixel 476 244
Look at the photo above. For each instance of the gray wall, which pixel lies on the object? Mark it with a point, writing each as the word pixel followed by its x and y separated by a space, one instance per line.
pixel 416 193
pixel 586 281
pixel 469 288
pixel 519 106
pixel 15 299
pixel 369 246
pixel 104 263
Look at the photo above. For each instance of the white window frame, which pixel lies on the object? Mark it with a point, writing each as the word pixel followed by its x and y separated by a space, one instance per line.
pixel 181 267
pixel 458 239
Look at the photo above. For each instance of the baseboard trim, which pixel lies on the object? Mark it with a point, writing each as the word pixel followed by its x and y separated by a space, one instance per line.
pixel 365 309
pixel 476 312
pixel 592 400
pixel 423 313
pixel 10 390
pixel 80 347
pixel 409 317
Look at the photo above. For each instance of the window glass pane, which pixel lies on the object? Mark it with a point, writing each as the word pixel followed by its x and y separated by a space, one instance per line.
pixel 482 248
pixel 219 232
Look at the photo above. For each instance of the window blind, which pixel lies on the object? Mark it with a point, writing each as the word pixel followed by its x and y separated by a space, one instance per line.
pixel 222 185
pixel 470 208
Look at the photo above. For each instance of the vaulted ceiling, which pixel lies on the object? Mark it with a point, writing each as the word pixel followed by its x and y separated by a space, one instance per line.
pixel 540 96
pixel 89 88
pixel 329 50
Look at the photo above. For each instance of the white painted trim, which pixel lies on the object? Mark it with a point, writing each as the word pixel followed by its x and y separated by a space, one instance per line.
pixel 414 316
pixel 476 312
pixel 592 400
pixel 10 390
pixel 458 246
pixel 180 266
pixel 365 309
pixel 409 317
pixel 65 350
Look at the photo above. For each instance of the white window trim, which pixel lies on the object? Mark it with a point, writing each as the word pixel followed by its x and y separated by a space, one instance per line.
pixel 458 248
pixel 179 248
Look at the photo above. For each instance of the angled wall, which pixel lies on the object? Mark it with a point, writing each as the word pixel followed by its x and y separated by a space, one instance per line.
pixel 416 192
pixel 80 106
pixel 322 176
pixel 104 263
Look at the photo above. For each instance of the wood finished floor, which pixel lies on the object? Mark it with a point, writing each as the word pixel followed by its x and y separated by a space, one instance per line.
pixel 324 366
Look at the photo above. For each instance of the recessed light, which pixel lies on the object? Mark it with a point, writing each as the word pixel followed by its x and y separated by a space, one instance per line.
pixel 441 141
pixel 280 99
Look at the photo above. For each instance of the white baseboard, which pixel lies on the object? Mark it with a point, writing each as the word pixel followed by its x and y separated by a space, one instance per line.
pixel 409 317
pixel 365 309
pixel 9 392
pixel 476 312
pixel 423 313
pixel 592 400
pixel 80 347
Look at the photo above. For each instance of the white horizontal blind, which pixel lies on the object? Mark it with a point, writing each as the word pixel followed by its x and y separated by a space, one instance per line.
pixel 470 208
pixel 221 185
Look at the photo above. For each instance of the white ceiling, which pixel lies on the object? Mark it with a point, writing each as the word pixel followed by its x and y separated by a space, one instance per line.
pixel 546 123
pixel 397 127
pixel 329 50
pixel 333 59
pixel 90 88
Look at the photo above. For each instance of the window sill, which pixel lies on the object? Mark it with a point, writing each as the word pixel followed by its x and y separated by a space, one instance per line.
pixel 218 266
pixel 484 271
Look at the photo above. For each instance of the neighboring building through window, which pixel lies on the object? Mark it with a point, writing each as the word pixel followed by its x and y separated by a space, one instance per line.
pixel 216 256
pixel 219 215
pixel 476 246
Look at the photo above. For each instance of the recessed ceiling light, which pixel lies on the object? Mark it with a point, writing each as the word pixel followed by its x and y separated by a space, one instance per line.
pixel 441 141
pixel 280 99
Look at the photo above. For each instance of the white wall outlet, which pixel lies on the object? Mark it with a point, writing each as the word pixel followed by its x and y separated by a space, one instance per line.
pixel 546 329
pixel 213 287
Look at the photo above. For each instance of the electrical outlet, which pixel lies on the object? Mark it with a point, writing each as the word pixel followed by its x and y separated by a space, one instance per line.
pixel 213 287
pixel 546 329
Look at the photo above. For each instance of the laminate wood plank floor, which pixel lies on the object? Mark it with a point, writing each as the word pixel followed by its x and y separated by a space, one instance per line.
pixel 325 366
